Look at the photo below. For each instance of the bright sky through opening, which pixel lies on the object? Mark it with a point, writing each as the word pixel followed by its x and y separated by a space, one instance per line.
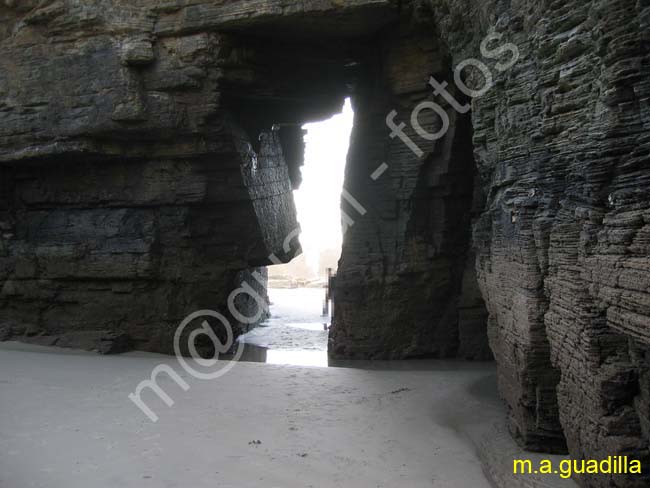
pixel 318 200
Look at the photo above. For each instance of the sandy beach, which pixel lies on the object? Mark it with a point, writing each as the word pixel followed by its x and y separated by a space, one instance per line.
pixel 66 421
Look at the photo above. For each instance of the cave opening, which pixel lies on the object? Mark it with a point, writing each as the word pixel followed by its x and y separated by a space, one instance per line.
pixel 318 197
pixel 296 331
pixel 149 155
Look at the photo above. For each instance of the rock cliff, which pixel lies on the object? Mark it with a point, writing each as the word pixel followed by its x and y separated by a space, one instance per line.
pixel 148 150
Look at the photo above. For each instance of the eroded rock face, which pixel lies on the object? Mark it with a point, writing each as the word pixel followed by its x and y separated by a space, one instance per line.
pixel 561 145
pixel 562 255
pixel 400 286
pixel 141 179
pixel 149 151
pixel 130 199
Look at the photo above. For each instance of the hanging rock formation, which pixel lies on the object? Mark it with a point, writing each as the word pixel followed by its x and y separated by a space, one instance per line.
pixel 148 150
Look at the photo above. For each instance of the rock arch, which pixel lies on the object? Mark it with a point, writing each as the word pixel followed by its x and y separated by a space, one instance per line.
pixel 142 180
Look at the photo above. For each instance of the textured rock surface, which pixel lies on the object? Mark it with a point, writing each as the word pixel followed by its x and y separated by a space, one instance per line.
pixel 140 178
pixel 561 144
pixel 129 199
pixel 400 282
pixel 148 151
pixel 562 148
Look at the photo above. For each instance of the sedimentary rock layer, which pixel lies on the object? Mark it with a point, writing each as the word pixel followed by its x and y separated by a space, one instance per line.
pixel 142 178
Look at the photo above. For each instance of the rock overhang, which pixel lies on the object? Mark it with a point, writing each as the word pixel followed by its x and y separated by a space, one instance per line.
pixel 306 20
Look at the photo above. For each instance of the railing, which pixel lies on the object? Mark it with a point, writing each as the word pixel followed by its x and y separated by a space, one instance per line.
pixel 328 303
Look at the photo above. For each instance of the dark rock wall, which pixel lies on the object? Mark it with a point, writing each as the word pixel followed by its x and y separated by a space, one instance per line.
pixel 562 148
pixel 129 199
pixel 148 151
pixel 561 145
pixel 131 246
pixel 141 179
pixel 400 279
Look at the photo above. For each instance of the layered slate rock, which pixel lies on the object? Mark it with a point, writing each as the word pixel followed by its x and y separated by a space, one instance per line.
pixel 561 145
pixel 402 290
pixel 562 148
pixel 148 152
pixel 141 179
pixel 131 195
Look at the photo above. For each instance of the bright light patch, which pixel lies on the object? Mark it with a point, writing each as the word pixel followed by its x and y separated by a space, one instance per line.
pixel 318 200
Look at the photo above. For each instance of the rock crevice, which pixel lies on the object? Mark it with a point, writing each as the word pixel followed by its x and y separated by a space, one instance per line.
pixel 148 151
